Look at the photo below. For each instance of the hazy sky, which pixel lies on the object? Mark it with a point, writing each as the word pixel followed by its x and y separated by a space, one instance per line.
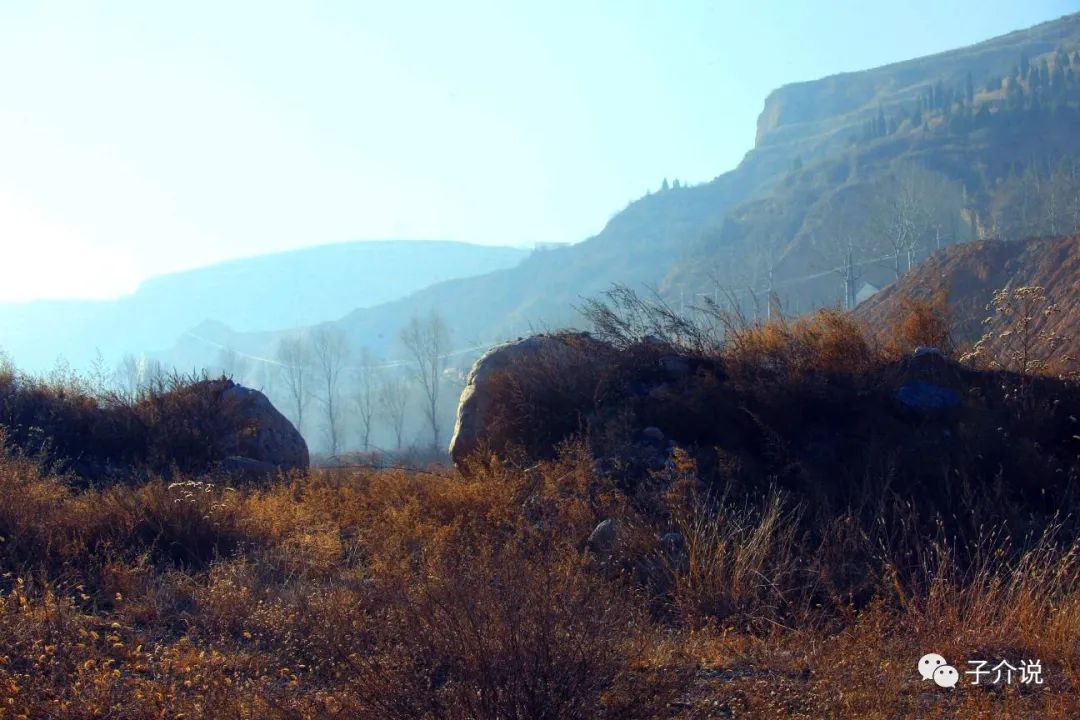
pixel 140 137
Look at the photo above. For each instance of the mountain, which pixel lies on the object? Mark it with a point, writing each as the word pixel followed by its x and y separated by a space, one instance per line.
pixel 268 292
pixel 968 276
pixel 962 128
pixel 814 119
pixel 636 247
pixel 881 167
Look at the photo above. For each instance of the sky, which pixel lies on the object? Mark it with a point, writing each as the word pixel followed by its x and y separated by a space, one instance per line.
pixel 142 138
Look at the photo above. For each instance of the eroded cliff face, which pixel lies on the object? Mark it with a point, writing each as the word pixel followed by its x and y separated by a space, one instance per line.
pixel 813 118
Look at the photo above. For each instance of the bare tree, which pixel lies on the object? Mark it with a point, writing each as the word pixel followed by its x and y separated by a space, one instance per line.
pixel 153 374
pixel 426 342
pixel 330 352
pixel 945 206
pixel 98 377
pixel 294 367
pixel 894 217
pixel 842 238
pixel 136 374
pixel 128 375
pixel 393 399
pixel 364 395
pixel 764 263
pixel 911 209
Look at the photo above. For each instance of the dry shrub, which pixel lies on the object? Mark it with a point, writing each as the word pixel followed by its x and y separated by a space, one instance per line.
pixel 1018 600
pixel 1017 337
pixel 924 322
pixel 828 342
pixel 733 560
pixel 393 594
pixel 506 634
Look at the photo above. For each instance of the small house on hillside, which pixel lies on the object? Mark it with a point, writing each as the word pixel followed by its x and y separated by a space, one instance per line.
pixel 865 292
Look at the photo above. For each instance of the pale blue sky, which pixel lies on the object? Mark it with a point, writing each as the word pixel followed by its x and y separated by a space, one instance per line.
pixel 138 138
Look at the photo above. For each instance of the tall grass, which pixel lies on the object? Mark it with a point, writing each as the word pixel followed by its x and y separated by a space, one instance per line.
pixel 351 593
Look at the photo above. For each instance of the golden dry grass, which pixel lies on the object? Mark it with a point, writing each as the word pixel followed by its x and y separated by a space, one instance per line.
pixel 393 594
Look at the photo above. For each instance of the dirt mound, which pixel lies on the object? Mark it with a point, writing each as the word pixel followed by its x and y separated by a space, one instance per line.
pixel 969 275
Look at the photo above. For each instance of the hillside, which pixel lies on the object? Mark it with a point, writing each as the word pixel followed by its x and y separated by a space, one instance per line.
pixel 268 292
pixel 969 275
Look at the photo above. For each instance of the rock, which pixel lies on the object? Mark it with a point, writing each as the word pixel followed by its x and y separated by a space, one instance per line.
pixel 922 396
pixel 653 434
pixel 675 367
pixel 929 382
pixel 680 367
pixel 923 350
pixel 603 538
pixel 929 364
pixel 261 437
pixel 565 355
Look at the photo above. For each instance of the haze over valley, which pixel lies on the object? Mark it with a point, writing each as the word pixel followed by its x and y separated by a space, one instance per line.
pixel 853 180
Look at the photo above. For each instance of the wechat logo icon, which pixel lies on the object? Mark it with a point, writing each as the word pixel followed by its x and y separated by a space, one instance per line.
pixel 934 667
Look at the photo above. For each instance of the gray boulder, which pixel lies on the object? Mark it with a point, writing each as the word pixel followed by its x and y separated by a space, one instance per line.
pixel 925 397
pixel 547 357
pixel 603 538
pixel 260 439
pixel 929 383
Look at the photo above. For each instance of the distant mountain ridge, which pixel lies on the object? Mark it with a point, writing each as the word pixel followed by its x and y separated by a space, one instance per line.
pixel 806 160
pixel 268 292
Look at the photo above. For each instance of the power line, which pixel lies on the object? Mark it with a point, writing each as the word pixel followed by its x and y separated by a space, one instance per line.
pixel 382 366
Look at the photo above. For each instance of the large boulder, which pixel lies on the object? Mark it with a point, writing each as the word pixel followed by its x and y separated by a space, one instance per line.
pixel 528 393
pixel 929 383
pixel 259 436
